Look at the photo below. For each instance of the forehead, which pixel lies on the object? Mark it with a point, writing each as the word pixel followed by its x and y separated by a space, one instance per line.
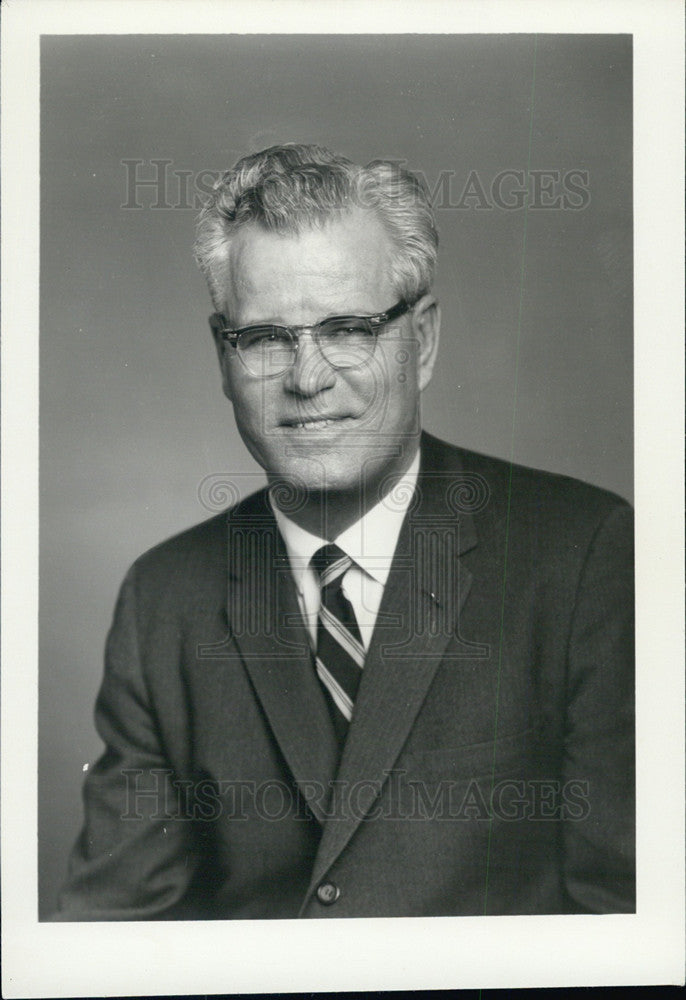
pixel 341 264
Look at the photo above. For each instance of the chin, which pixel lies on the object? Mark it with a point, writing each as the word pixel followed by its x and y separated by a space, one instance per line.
pixel 320 474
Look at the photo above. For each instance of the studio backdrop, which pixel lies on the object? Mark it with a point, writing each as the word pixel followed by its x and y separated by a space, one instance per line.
pixel 525 145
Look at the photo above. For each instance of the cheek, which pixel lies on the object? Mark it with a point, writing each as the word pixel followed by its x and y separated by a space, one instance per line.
pixel 386 380
pixel 394 387
pixel 248 404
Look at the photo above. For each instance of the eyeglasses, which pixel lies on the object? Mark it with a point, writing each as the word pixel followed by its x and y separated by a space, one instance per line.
pixel 267 350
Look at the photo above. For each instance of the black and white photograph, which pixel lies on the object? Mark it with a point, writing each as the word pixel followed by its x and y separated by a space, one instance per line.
pixel 342 602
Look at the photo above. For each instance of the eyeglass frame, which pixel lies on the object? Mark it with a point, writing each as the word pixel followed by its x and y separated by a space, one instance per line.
pixel 218 323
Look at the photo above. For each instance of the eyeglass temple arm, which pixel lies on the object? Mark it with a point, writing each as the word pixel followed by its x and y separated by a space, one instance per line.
pixel 219 325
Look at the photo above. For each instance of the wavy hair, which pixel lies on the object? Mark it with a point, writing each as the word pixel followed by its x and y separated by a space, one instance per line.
pixel 294 187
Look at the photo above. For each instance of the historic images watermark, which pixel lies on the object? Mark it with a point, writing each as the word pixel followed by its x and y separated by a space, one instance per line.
pixel 158 184
pixel 162 797
pixel 464 493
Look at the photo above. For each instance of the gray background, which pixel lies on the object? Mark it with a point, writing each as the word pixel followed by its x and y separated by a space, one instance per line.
pixel 132 416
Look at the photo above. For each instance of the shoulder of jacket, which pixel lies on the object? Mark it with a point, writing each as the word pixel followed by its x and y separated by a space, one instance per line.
pixel 197 549
pixel 523 489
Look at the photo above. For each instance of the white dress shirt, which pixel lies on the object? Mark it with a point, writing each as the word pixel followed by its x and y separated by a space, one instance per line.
pixel 370 543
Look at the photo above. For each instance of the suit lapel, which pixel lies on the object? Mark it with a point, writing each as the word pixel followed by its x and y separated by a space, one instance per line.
pixel 267 627
pixel 418 617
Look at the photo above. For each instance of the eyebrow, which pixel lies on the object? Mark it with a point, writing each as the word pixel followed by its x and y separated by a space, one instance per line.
pixel 329 315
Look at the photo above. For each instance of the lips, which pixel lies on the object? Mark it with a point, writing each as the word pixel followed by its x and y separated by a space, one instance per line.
pixel 317 423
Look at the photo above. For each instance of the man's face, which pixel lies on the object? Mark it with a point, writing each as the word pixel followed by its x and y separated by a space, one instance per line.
pixel 317 426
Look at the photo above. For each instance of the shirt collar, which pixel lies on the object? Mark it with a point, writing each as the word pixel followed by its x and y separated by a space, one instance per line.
pixel 370 542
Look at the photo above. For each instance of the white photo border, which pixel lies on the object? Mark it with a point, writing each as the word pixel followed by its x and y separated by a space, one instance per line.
pixel 158 958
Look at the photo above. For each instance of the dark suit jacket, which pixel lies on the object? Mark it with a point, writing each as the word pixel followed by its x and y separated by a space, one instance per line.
pixel 489 767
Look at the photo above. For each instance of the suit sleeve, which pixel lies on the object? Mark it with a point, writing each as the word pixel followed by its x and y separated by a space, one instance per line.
pixel 134 857
pixel 599 834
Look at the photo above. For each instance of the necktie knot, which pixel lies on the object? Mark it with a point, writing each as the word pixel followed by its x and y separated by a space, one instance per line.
pixel 331 563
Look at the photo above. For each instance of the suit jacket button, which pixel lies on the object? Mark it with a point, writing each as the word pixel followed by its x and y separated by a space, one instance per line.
pixel 328 893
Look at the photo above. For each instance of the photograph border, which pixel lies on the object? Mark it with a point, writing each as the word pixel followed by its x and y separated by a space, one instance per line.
pixel 42 959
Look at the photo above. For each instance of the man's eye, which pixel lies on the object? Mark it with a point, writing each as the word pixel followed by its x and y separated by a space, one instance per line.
pixel 349 328
pixel 263 337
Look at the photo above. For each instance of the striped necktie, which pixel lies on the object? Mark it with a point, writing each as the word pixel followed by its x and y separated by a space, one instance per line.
pixel 340 653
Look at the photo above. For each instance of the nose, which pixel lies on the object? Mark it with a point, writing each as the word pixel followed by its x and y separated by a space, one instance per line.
pixel 310 372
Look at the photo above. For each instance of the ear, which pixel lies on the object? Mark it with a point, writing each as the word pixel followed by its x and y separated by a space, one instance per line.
pixel 217 322
pixel 426 327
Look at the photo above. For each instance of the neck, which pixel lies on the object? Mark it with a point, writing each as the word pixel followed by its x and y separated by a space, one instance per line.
pixel 328 513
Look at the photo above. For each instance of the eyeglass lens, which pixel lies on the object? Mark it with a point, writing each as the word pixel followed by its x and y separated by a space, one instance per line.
pixel 345 342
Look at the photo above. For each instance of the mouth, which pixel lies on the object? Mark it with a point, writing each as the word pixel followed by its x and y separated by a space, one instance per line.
pixel 314 423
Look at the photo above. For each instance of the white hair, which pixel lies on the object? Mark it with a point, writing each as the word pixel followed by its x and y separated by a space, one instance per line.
pixel 293 187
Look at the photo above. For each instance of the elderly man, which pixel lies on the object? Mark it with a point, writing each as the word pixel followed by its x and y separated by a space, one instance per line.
pixel 398 680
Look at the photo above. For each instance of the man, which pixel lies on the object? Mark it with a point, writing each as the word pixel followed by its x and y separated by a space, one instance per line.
pixel 397 681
